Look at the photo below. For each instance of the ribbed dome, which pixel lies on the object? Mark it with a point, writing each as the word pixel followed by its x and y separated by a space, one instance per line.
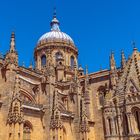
pixel 55 35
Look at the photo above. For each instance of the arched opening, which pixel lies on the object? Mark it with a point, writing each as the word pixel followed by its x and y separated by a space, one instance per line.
pixel 109 126
pixel 137 117
pixel 136 113
pixel 72 61
pixel 27 129
pixel 125 124
pixel 26 97
pixel 43 60
pixel 101 95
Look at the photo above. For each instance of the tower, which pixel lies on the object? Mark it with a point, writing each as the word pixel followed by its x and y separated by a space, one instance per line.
pixel 11 61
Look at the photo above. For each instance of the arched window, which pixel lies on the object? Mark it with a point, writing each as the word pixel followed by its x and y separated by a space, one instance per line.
pixel 137 116
pixel 43 60
pixel 72 61
pixel 101 95
pixel 27 128
pixel 109 125
pixel 125 124
pixel 136 113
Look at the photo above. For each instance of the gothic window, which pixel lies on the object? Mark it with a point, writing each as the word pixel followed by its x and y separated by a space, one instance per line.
pixel 101 99
pixel 27 128
pixel 43 60
pixel 109 125
pixel 72 61
pixel 101 95
pixel 136 112
pixel 137 116
pixel 125 124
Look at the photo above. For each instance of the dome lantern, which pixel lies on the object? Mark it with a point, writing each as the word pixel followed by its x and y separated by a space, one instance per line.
pixel 55 23
pixel 55 34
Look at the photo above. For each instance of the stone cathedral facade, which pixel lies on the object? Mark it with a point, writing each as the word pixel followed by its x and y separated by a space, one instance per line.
pixel 58 100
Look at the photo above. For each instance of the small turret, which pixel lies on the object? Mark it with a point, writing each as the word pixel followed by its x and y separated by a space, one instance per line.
pixel 113 71
pixel 112 62
pixel 80 71
pixel 11 60
pixel 123 60
pixel 12 43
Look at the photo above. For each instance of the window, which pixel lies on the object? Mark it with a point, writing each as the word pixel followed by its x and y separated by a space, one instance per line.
pixel 27 128
pixel 137 117
pixel 101 95
pixel 125 124
pixel 136 113
pixel 58 56
pixel 72 61
pixel 110 126
pixel 43 60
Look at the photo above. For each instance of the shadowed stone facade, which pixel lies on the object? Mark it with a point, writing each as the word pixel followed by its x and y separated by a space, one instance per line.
pixel 57 100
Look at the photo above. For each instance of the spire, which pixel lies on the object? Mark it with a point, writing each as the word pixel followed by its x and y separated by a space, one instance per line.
pixel 86 70
pixel 86 77
pixel 55 22
pixel 31 65
pixel 12 43
pixel 123 60
pixel 56 115
pixel 112 62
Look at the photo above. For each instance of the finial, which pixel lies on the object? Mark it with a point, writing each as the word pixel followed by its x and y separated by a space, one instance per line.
pixel 12 43
pixel 134 45
pixel 54 22
pixel 123 60
pixel 86 70
pixel 54 12
pixel 31 64
pixel 112 61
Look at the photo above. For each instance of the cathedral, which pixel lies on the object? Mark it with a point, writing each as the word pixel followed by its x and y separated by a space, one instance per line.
pixel 58 100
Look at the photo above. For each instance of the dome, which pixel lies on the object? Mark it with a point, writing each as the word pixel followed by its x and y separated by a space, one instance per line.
pixel 55 35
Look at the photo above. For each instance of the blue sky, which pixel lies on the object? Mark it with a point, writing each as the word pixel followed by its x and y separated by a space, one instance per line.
pixel 96 26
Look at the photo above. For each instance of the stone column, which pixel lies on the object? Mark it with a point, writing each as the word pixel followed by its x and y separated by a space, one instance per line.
pixel 107 127
pixel 120 124
pixel 129 123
